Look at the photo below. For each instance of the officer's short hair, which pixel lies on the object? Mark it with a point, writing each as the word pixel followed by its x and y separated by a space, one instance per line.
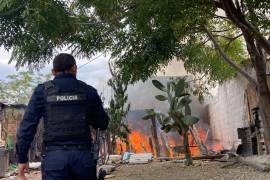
pixel 63 62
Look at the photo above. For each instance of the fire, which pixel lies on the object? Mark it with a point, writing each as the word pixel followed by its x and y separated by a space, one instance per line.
pixel 194 150
pixel 202 134
pixel 139 142
pixel 216 147
pixel 120 146
pixel 171 145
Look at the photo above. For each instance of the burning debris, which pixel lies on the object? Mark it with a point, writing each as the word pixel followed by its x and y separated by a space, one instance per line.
pixel 141 140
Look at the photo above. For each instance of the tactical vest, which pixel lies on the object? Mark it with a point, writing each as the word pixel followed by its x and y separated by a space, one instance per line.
pixel 66 113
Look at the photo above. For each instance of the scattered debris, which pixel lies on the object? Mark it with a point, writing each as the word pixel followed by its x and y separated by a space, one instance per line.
pixel 229 164
pixel 109 176
pixel 126 156
pixel 205 157
pixel 261 163
pixel 228 156
pixel 34 165
pixel 142 158
pixel 107 168
pixel 114 159
pixel 104 171
pixel 179 161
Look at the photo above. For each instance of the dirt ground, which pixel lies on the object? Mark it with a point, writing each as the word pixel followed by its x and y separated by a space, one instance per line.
pixel 33 175
pixel 202 170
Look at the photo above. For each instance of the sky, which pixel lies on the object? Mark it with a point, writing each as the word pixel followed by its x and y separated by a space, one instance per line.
pixel 95 73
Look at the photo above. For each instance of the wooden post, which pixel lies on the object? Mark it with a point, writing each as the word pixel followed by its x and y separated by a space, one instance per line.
pixel 151 145
pixel 165 145
pixel 198 141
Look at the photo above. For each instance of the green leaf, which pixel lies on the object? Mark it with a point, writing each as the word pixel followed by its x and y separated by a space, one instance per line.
pixel 185 101
pixel 162 119
pixel 180 87
pixel 147 117
pixel 190 120
pixel 187 110
pixel 166 120
pixel 161 98
pixel 150 112
pixel 167 128
pixel 159 85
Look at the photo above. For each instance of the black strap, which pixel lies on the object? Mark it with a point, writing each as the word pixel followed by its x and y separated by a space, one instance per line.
pixel 50 87
pixel 68 147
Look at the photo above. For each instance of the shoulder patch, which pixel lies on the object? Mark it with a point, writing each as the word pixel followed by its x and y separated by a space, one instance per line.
pixel 48 85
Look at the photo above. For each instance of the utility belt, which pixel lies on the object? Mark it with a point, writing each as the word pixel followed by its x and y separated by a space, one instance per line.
pixel 67 147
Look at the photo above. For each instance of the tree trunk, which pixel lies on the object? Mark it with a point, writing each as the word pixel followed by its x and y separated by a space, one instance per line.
pixel 187 150
pixel 109 142
pixel 165 144
pixel 259 63
pixel 151 145
pixel 154 132
pixel 113 145
pixel 257 45
pixel 264 105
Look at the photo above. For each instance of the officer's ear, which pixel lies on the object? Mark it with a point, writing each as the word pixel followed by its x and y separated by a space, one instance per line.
pixel 74 69
pixel 54 72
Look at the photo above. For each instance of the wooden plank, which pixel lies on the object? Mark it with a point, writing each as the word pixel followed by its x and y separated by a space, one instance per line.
pixel 218 156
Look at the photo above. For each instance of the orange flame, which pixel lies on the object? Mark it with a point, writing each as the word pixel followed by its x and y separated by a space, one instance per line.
pixel 120 146
pixel 139 143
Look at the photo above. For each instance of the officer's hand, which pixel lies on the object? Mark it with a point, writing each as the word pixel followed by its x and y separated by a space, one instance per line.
pixel 21 169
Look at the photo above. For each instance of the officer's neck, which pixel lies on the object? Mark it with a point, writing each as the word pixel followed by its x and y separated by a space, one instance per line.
pixel 66 73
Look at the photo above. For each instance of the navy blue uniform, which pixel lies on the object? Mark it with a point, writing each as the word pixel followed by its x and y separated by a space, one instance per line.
pixel 61 163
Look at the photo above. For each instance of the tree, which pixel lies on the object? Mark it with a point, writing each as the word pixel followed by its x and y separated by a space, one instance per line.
pixel 17 89
pixel 152 32
pixel 117 110
pixel 36 29
pixel 179 116
pixel 213 37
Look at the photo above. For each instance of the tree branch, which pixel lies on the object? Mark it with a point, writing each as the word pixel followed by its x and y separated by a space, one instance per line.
pixel 229 38
pixel 229 60
pixel 221 17
pixel 239 19
pixel 223 30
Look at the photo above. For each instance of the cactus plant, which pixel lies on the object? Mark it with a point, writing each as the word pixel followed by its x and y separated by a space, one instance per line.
pixel 178 117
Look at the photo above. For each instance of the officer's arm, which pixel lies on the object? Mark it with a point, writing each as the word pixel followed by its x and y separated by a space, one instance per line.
pixel 100 118
pixel 28 125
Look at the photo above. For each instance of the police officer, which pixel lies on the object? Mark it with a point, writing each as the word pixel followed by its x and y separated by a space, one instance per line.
pixel 68 106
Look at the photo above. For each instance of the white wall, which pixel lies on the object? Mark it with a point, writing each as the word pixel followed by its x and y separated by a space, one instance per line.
pixel 227 112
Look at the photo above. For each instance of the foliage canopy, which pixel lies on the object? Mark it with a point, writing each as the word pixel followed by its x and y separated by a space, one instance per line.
pixel 143 36
pixel 18 88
